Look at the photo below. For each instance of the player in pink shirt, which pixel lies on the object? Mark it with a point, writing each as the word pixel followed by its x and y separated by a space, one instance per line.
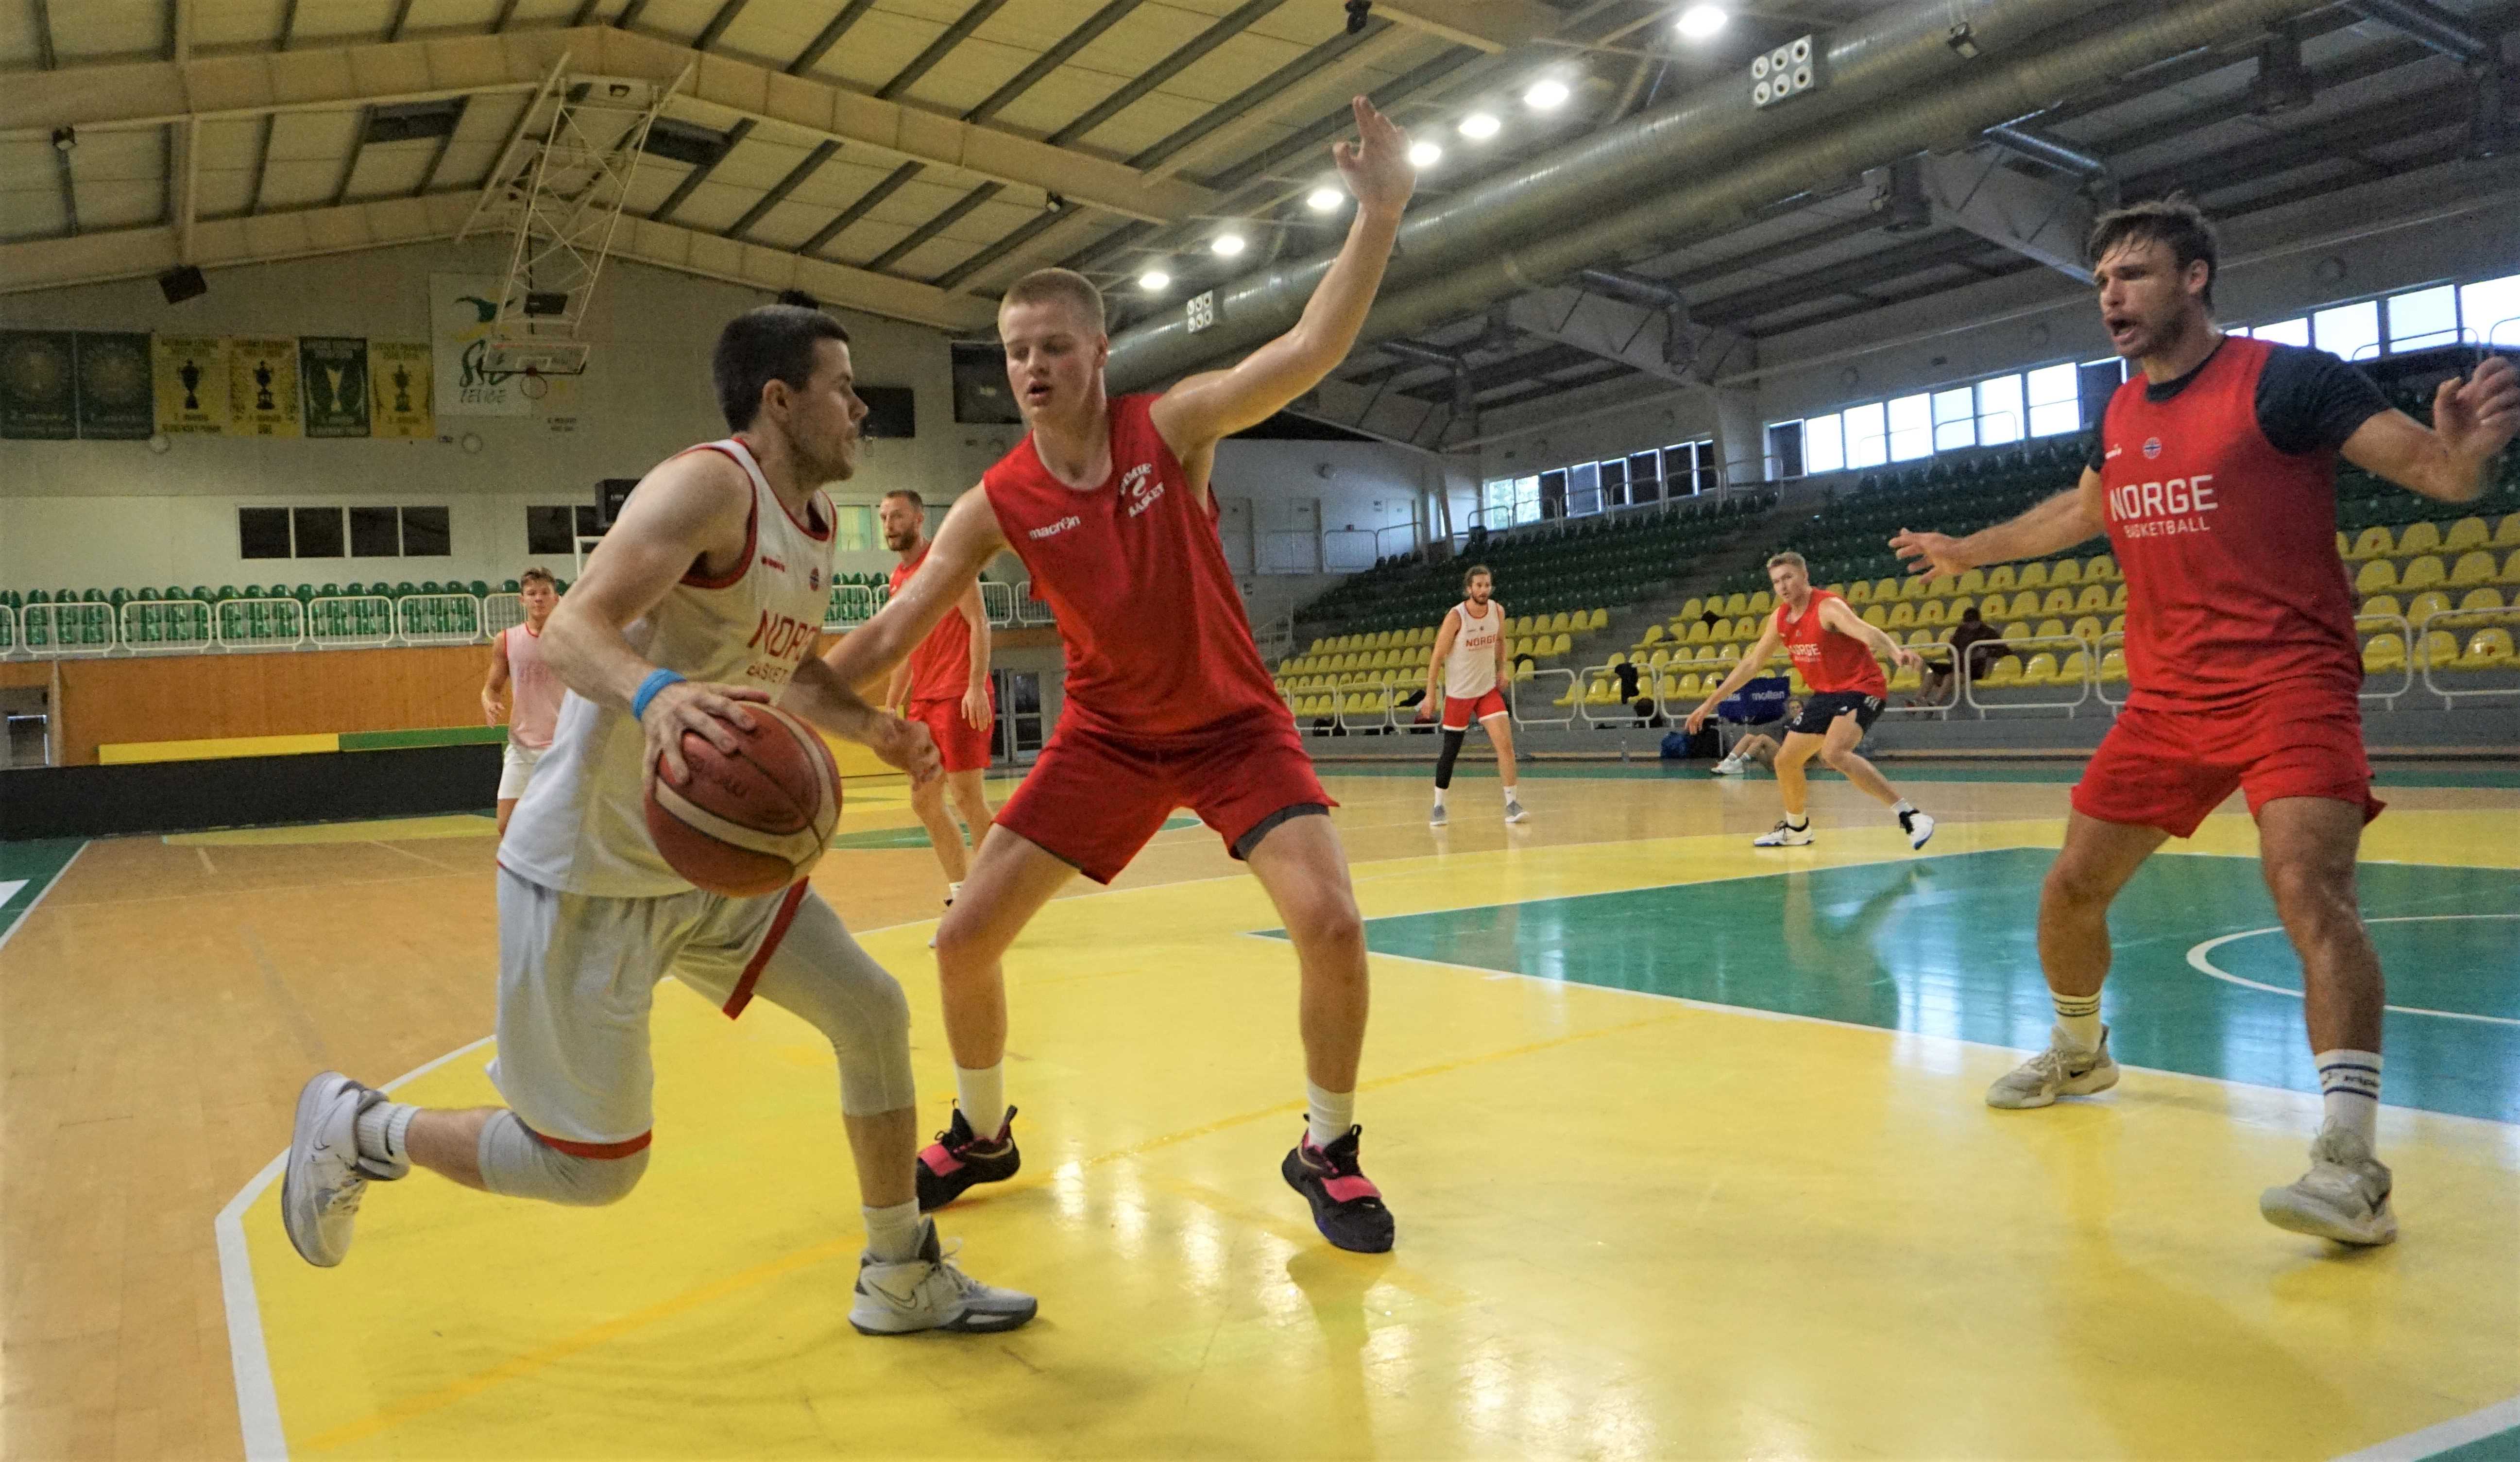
pixel 533 691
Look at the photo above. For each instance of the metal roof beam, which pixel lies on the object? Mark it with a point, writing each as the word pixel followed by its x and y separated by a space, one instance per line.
pixel 2036 220
pixel 1164 70
pixel 692 179
pixel 953 213
pixel 865 205
pixel 715 30
pixel 941 48
pixel 828 36
pixel 1052 60
pixel 779 190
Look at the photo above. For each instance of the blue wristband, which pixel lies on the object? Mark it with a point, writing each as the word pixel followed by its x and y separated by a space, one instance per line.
pixel 656 680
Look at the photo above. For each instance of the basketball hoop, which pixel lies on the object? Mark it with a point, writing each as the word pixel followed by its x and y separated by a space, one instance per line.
pixel 532 385
pixel 536 360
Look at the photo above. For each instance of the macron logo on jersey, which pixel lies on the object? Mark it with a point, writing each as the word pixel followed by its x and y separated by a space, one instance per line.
pixel 2161 510
pixel 1052 530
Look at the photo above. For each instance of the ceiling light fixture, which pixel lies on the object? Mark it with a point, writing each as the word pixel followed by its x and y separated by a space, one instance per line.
pixel 1701 21
pixel 1424 154
pixel 1226 245
pixel 1154 281
pixel 1546 94
pixel 1324 199
pixel 1479 126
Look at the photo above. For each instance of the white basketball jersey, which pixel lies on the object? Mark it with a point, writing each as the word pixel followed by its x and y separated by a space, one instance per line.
pixel 1470 669
pixel 582 825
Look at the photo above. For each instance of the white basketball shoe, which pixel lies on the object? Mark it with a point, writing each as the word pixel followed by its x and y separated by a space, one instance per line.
pixel 928 1293
pixel 2062 1069
pixel 325 1178
pixel 2345 1195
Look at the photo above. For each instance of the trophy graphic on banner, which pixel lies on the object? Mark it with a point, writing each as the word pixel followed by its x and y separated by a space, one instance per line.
pixel 402 387
pixel 262 386
pixel 333 387
pixel 191 376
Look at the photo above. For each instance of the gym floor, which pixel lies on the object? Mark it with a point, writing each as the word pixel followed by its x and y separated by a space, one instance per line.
pixel 1685 1142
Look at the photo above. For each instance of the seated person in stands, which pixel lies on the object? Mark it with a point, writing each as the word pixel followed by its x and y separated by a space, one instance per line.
pixel 1973 637
pixel 1755 747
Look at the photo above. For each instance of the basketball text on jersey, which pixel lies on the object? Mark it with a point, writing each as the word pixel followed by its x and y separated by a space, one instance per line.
pixel 788 641
pixel 1140 487
pixel 2156 509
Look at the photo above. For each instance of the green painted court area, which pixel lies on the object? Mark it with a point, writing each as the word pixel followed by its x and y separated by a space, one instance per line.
pixel 26 870
pixel 1947 946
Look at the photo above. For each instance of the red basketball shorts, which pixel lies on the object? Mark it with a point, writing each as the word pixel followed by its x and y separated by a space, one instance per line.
pixel 1459 711
pixel 2168 769
pixel 1092 800
pixel 963 745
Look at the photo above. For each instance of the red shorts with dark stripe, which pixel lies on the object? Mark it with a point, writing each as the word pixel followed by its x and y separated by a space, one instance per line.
pixel 1093 800
pixel 1460 711
pixel 2168 769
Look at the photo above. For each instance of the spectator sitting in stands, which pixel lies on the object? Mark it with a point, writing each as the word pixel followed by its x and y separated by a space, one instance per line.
pixel 1973 637
pixel 1755 747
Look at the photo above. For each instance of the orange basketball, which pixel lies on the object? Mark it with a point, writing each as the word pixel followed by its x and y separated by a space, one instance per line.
pixel 754 822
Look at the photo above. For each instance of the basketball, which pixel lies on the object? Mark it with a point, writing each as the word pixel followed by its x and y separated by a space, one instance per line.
pixel 754 822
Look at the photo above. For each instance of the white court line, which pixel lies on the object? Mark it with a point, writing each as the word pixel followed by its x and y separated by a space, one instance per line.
pixel 2433 1440
pixel 28 912
pixel 2196 959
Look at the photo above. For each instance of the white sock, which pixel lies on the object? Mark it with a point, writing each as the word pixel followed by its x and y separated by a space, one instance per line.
pixel 1329 1114
pixel 2349 1088
pixel 1797 821
pixel 1903 807
pixel 952 892
pixel 893 1233
pixel 981 1093
pixel 378 1132
pixel 1439 797
pixel 1510 790
pixel 2079 1016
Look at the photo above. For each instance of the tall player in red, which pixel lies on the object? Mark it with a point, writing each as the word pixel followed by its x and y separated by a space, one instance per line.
pixel 1167 702
pixel 944 686
pixel 2215 477
pixel 1836 651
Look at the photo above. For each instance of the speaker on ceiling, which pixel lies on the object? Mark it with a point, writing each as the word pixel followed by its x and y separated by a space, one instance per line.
pixel 180 284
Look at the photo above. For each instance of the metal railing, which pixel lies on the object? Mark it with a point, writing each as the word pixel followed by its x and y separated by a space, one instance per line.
pixel 1347 550
pixel 2084 687
pixel 1031 611
pixel 2474 620
pixel 998 601
pixel 1514 698
pixel 1349 697
pixel 501 611
pixel 7 632
pixel 68 632
pixel 258 624
pixel 350 621
pixel 156 627
pixel 1289 551
pixel 2406 660
pixel 437 618
pixel 852 605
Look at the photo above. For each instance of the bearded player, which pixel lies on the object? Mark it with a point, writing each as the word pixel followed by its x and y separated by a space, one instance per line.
pixel 704 599
pixel 1835 650
pixel 1466 674
pixel 2214 475
pixel 944 686
pixel 1167 702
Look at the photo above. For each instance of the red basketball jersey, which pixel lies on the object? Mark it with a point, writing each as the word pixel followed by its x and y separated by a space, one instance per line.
pixel 1829 660
pixel 941 668
pixel 2229 545
pixel 1157 641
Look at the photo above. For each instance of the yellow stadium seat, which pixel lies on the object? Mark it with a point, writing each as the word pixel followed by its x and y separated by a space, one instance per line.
pixel 2040 670
pixel 1697 634
pixel 2075 670
pixel 1617 659
pixel 1923 637
pixel 2487 648
pixel 2506 533
pixel 1599 619
pixel 1919 587
pixel 1873 615
pixel 1690 685
pixel 2423 572
pixel 2113 667
pixel 2419 537
pixel 2033 577
pixel 2118 595
pixel 1568 696
pixel 1599 693
pixel 1525 672
pixel 1795 683
pixel 2087 628
pixel 1932 611
pixel 1902 614
pixel 2001 576
pixel 2343 547
pixel 1729 655
pixel 2466 534
pixel 2474 567
pixel 2016 632
pixel 1906 678
pixel 1991 606
pixel 1762 602
pixel 1559 644
pixel 2025 605
pixel 1559 622
pixel 2058 601
pixel 2100 566
pixel 2092 597
pixel 2381 604
pixel 1749 626
pixel 1943 586
pixel 2065 571
pixel 2438 648
pixel 1860 592
pixel 1693 608
pixel 2378 576
pixel 2481 599
pixel 1708 655
pixel 2006 671
pixel 1659 659
pixel 2373 542
pixel 2051 629
pixel 2425 605
pixel 1653 635
pixel 2510 574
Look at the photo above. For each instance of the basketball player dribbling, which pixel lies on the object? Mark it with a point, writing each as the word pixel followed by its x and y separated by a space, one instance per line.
pixel 1466 674
pixel 1836 651
pixel 1167 703
pixel 944 686
pixel 533 691
pixel 703 599
pixel 2214 475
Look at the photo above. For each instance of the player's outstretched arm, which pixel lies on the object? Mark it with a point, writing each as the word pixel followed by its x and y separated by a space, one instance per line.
pixel 821 697
pixel 1204 408
pixel 2052 527
pixel 975 695
pixel 690 509
pixel 1837 615
pixel 1432 702
pixel 494 690
pixel 968 538
pixel 2472 421
pixel 1753 661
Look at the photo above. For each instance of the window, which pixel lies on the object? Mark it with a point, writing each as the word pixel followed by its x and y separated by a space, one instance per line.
pixel 1583 490
pixel 2097 380
pixel 1824 444
pixel 376 533
pixel 1496 508
pixel 1998 411
pixel 1645 477
pixel 2054 403
pixel 1784 450
pixel 853 526
pixel 1553 495
pixel 1912 427
pixel 1691 467
pixel 2351 331
pixel 2490 311
pixel 1526 500
pixel 1954 418
pixel 1867 435
pixel 546 531
pixel 424 533
pixel 262 532
pixel 319 531
pixel 1614 482
pixel 2424 317
pixel 2294 332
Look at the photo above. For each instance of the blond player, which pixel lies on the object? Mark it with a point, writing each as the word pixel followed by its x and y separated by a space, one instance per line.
pixel 1467 671
pixel 533 707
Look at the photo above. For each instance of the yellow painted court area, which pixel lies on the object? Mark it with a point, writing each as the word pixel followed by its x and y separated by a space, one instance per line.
pixel 1631 1225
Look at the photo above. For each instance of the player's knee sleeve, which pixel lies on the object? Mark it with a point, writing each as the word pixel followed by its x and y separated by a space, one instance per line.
pixel 861 1010
pixel 517 1164
pixel 1452 751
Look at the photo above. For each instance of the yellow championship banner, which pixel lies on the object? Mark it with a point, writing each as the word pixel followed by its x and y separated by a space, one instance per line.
pixel 398 390
pixel 191 376
pixel 262 387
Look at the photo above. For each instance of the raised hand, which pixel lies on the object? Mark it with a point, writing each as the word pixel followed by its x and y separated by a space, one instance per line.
pixel 1377 166
pixel 1929 553
pixel 2474 419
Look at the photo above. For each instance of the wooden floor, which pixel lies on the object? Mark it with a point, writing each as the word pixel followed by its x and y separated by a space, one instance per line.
pixel 161 1006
